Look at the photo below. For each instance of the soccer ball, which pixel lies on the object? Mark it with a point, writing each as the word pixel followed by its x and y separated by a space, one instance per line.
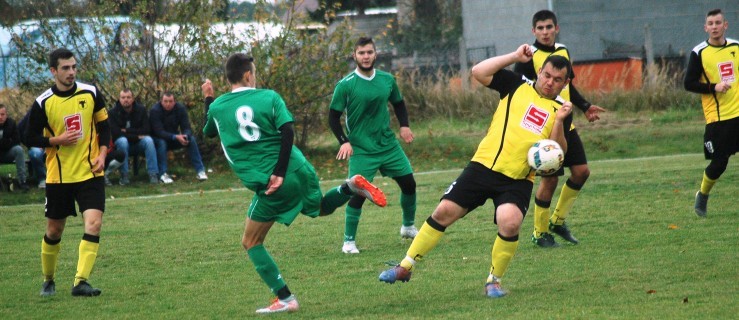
pixel 546 157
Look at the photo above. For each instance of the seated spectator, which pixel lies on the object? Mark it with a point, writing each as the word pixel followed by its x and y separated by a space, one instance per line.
pixel 10 147
pixel 113 161
pixel 130 128
pixel 170 126
pixel 36 155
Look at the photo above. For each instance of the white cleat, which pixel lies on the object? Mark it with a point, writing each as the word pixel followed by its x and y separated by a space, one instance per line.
pixel 349 247
pixel 408 232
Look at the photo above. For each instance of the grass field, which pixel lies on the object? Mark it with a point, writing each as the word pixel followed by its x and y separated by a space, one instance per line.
pixel 644 254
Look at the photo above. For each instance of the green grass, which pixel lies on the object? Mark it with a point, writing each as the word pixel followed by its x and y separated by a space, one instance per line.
pixel 643 254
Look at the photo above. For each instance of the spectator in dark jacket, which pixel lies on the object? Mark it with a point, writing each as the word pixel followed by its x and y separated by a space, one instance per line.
pixel 10 146
pixel 36 155
pixel 170 126
pixel 130 128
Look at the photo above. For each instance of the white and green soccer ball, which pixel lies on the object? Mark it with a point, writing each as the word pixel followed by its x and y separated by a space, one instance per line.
pixel 546 157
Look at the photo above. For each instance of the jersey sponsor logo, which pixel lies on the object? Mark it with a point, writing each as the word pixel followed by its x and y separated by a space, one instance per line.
pixel 535 119
pixel 73 122
pixel 82 103
pixel 726 71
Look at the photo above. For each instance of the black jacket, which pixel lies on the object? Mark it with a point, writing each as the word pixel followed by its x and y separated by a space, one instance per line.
pixel 166 124
pixel 10 136
pixel 136 123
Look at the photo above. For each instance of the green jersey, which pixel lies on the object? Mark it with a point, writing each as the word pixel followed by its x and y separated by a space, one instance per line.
pixel 367 116
pixel 247 121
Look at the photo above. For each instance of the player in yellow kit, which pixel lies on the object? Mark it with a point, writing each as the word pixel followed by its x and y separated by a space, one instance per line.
pixel 712 71
pixel 69 120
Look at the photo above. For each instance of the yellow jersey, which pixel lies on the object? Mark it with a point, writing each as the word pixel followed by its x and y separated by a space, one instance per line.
pixel 709 65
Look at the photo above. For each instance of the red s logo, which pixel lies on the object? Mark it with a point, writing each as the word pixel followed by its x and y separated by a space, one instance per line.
pixel 73 122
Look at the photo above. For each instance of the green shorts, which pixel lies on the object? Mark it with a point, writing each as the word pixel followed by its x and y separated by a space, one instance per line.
pixel 392 163
pixel 300 193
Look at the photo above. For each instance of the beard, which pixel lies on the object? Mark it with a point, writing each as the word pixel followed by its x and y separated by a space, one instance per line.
pixel 368 69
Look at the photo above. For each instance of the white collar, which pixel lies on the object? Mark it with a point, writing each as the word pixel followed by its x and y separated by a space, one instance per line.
pixel 239 89
pixel 359 74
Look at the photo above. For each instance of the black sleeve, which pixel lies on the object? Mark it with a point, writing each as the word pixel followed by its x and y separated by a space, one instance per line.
pixel 23 128
pixel 506 81
pixel 578 100
pixel 288 135
pixel 115 128
pixel 401 112
pixel 526 69
pixel 103 129
pixel 334 122
pixel 35 132
pixel 693 75
pixel 208 101
pixel 11 136
pixel 184 119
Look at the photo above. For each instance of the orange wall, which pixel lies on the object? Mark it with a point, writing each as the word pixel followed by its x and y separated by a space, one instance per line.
pixel 607 76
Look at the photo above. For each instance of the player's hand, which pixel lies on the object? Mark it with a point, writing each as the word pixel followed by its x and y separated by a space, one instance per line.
pixel 524 53
pixel 722 87
pixel 182 139
pixel 275 183
pixel 593 113
pixel 67 138
pixel 207 88
pixel 406 134
pixel 564 111
pixel 345 151
pixel 98 164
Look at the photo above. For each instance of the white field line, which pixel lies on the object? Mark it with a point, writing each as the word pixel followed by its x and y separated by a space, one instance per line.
pixel 338 180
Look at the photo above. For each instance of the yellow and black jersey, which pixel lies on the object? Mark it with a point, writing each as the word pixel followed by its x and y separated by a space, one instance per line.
pixel 522 118
pixel 54 112
pixel 709 65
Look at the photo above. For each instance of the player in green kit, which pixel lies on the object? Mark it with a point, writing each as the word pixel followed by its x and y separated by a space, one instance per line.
pixel 371 145
pixel 256 132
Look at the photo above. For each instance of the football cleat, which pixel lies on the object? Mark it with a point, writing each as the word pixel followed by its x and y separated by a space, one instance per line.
pixel 563 231
pixel 281 306
pixel 408 232
pixel 349 247
pixel 84 289
pixel 359 185
pixel 493 290
pixel 48 288
pixel 546 240
pixel 701 204
pixel 396 273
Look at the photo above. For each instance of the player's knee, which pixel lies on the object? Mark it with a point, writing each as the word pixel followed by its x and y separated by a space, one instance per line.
pixel 580 174
pixel 407 184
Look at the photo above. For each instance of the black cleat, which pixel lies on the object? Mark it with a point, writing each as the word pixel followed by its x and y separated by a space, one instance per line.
pixel 563 231
pixel 48 288
pixel 84 289
pixel 701 204
pixel 546 240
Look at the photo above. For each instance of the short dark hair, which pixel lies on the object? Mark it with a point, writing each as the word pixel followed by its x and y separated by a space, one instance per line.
pixel 714 12
pixel 363 41
pixel 542 15
pixel 559 63
pixel 61 53
pixel 236 65
pixel 167 94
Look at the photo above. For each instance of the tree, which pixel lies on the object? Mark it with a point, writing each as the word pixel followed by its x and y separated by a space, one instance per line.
pixel 176 46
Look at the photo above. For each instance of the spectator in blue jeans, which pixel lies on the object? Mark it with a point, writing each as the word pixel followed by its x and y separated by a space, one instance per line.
pixel 36 155
pixel 170 126
pixel 130 128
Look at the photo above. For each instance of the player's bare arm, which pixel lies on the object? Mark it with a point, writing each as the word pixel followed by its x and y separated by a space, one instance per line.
pixel 557 133
pixel 484 71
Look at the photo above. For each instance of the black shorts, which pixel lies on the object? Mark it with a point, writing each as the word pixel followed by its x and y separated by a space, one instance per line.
pixel 476 184
pixel 721 139
pixel 60 197
pixel 575 154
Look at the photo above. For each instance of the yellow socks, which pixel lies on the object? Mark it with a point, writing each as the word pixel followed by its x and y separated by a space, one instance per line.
pixel 426 239
pixel 49 257
pixel 503 250
pixel 566 199
pixel 541 217
pixel 707 184
pixel 88 253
